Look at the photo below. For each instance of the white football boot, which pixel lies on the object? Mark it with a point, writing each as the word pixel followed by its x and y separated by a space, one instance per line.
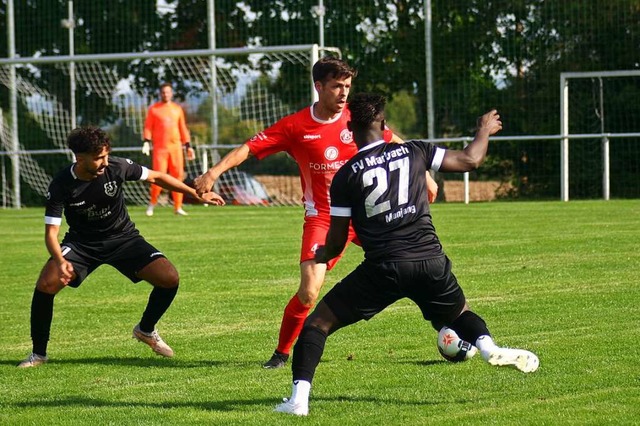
pixel 525 361
pixel 287 406
pixel 154 341
pixel 33 360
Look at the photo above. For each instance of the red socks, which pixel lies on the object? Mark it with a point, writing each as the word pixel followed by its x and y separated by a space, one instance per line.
pixel 292 321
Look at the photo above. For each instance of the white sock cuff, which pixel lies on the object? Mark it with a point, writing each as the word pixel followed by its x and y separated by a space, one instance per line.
pixel 485 345
pixel 300 391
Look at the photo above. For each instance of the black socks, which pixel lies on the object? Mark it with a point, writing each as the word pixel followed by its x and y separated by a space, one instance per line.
pixel 41 317
pixel 470 326
pixel 159 301
pixel 307 353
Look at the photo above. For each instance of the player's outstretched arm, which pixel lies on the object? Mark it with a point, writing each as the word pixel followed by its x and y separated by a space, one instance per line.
pixel 237 156
pixel 336 239
pixel 432 188
pixel 471 157
pixel 65 268
pixel 167 181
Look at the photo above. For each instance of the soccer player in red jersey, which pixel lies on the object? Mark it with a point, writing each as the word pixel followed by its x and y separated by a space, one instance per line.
pixel 403 256
pixel 318 140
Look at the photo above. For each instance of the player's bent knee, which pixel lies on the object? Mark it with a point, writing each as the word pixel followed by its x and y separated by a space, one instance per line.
pixel 170 280
pixel 160 273
pixel 437 324
pixel 323 319
pixel 307 297
pixel 318 323
pixel 173 278
pixel 49 287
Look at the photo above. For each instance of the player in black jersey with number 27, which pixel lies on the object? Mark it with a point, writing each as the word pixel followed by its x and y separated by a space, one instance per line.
pixel 381 190
pixel 89 192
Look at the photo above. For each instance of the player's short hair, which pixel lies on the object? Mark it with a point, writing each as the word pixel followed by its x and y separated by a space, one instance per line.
pixel 331 67
pixel 365 109
pixel 166 84
pixel 88 140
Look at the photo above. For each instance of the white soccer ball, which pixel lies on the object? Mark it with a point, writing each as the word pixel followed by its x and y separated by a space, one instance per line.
pixel 453 348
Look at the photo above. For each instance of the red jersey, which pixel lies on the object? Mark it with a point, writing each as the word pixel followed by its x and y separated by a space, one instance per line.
pixel 320 147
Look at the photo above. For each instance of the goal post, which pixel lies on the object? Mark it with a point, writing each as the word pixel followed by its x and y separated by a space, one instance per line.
pixel 115 91
pixel 598 99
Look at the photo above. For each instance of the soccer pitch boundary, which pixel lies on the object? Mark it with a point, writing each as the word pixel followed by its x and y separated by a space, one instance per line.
pixel 556 278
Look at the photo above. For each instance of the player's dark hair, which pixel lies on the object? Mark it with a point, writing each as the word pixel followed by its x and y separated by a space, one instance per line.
pixel 330 67
pixel 88 140
pixel 365 109
pixel 166 84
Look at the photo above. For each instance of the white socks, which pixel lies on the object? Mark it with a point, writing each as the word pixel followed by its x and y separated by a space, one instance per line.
pixel 300 392
pixel 485 345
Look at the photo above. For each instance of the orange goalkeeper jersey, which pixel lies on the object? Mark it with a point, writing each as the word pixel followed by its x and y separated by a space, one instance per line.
pixel 165 126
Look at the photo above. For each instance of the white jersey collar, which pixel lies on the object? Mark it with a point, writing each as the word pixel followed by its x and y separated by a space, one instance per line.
pixel 73 173
pixel 321 121
pixel 371 145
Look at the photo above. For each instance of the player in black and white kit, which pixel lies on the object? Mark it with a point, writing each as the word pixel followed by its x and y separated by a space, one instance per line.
pixel 90 194
pixel 381 191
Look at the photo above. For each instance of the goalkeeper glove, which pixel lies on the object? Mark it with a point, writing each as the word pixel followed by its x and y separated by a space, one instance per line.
pixel 146 149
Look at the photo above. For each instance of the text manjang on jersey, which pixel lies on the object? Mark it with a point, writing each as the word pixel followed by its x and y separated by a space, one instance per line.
pixel 383 189
pixel 319 148
pixel 94 209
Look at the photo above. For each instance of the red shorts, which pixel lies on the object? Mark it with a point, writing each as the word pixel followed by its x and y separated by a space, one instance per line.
pixel 314 234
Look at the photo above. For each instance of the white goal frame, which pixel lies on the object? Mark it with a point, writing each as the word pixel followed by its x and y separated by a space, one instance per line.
pixel 565 77
pixel 18 154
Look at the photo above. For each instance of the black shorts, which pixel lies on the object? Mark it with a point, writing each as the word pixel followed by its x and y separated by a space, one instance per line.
pixel 371 287
pixel 127 254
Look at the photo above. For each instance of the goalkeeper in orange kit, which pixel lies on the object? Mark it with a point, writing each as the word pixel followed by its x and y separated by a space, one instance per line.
pixel 165 127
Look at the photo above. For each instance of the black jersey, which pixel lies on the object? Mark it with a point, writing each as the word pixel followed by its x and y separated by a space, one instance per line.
pixel 383 188
pixel 95 209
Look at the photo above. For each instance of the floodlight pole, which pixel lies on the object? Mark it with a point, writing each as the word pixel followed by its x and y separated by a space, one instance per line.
pixel 319 10
pixel 428 49
pixel 213 71
pixel 429 68
pixel 13 106
pixel 70 23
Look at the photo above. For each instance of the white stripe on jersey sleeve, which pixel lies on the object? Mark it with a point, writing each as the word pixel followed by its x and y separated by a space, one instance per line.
pixel 145 173
pixel 437 159
pixel 340 211
pixel 48 220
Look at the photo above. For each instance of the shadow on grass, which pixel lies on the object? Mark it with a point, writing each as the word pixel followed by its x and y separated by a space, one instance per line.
pixel 427 363
pixel 227 405
pixel 159 362
pixel 138 362
pixel 230 405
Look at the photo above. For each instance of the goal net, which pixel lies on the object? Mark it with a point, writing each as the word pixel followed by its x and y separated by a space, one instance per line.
pixel 599 120
pixel 246 91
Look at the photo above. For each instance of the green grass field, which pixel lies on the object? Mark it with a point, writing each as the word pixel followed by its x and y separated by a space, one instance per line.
pixel 559 279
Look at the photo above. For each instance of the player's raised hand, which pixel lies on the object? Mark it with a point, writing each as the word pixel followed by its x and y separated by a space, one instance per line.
pixel 203 183
pixel 490 121
pixel 212 198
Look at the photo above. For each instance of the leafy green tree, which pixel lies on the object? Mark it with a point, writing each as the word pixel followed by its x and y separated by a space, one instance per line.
pixel 113 26
pixel 506 54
